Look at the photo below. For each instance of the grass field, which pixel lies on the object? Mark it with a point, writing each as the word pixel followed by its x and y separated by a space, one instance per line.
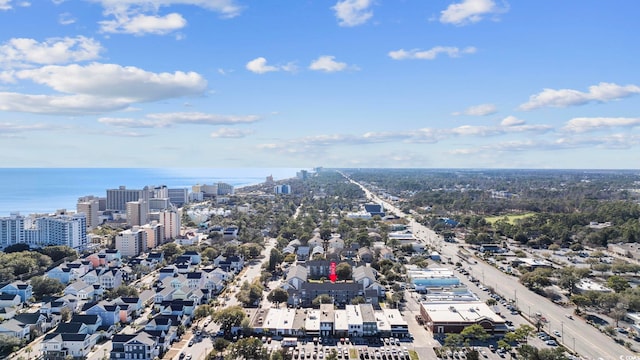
pixel 511 218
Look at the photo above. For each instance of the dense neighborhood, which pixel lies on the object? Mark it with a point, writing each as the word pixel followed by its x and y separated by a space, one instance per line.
pixel 353 270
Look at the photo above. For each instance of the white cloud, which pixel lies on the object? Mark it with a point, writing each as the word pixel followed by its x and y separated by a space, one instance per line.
pixel 20 52
pixel 259 66
pixel 327 63
pixel 97 88
pixel 511 121
pixel 469 11
pixel 602 92
pixel 583 124
pixel 130 84
pixel 430 54
pixel 66 19
pixel 227 133
pixel 353 12
pixel 141 16
pixel 6 4
pixel 163 120
pixel 144 24
pixel 479 110
pixel 59 105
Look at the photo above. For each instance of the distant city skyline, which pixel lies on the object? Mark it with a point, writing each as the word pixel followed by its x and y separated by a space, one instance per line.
pixel 339 83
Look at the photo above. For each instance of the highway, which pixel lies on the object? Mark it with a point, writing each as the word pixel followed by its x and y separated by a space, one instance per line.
pixel 576 335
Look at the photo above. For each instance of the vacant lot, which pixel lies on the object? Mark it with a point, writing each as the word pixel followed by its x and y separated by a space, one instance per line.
pixel 510 218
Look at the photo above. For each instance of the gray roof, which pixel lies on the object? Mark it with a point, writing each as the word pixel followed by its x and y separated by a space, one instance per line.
pixel 297 271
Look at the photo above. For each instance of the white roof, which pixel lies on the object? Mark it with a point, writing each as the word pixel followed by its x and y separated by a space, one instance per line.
pixel 279 319
pixel 312 321
pixel 354 317
pixel 341 322
pixel 458 311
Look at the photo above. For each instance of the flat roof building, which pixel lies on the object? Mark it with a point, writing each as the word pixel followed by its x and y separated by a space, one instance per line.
pixel 453 317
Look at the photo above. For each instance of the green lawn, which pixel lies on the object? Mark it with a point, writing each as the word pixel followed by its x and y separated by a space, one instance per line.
pixel 510 218
pixel 413 355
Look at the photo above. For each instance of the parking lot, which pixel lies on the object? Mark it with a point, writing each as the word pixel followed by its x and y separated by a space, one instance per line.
pixel 382 348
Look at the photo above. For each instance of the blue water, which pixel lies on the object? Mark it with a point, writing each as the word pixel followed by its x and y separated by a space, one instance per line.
pixel 31 190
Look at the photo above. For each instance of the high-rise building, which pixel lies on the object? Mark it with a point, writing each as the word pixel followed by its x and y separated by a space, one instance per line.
pixel 11 230
pixel 117 199
pixel 69 230
pixel 155 234
pixel 178 197
pixel 90 206
pixel 156 204
pixel 132 242
pixel 170 219
pixel 160 192
pixel 282 189
pixel 136 213
pixel 224 189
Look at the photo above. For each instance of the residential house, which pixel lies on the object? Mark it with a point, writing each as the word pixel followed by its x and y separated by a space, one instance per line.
pixel 109 313
pixel 229 263
pixel 194 255
pixel 56 346
pixel 365 255
pixel 9 300
pixel 140 346
pixel 14 328
pixel 296 275
pixel 23 289
pixel 92 322
pixel 81 290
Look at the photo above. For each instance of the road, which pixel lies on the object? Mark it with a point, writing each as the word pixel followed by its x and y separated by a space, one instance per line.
pixel 576 334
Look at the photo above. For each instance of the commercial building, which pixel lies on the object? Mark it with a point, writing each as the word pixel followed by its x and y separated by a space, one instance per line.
pixel 421 279
pixel 178 197
pixel 117 199
pixel 453 317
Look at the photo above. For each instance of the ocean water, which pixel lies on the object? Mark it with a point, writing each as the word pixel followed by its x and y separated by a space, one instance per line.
pixel 44 190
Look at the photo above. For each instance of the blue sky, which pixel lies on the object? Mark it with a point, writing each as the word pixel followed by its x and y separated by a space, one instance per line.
pixel 334 83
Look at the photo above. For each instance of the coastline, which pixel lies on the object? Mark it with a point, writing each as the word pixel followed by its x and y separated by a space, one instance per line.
pixel 45 190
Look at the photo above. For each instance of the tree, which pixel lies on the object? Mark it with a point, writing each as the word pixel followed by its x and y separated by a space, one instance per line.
pixel 44 286
pixel 343 270
pixel 16 248
pixel 322 299
pixel 248 348
pixel 358 300
pixel 278 295
pixel 228 318
pixel 453 340
pixel 275 258
pixel 567 279
pixel 528 352
pixel 580 301
pixel 523 332
pixel 618 312
pixel 65 314
pixel 618 283
pixel 59 252
pixel 202 311
pixel 122 291
pixel 475 332
pixel 220 345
